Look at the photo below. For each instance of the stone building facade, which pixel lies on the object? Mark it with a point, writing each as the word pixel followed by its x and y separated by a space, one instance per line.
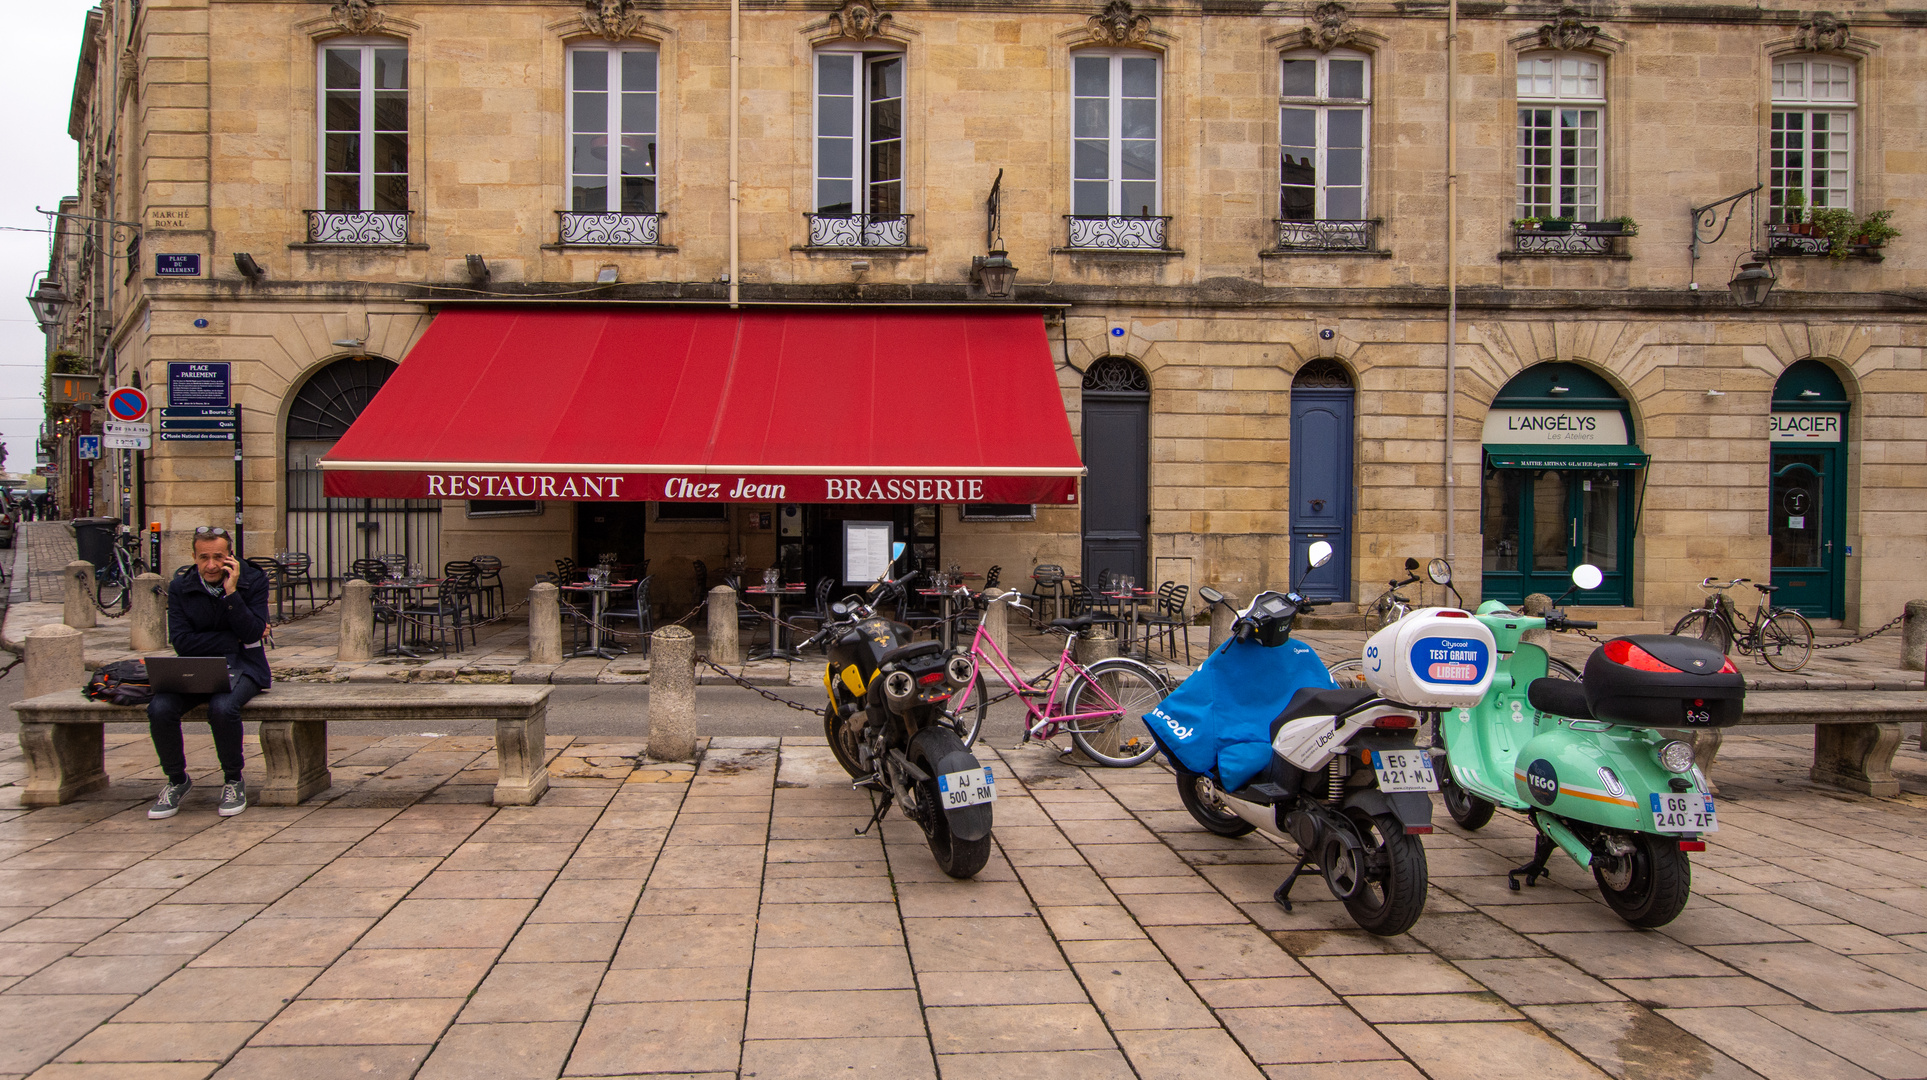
pixel 1232 223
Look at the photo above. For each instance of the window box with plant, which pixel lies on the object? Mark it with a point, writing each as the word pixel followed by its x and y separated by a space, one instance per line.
pixel 1564 235
pixel 1835 232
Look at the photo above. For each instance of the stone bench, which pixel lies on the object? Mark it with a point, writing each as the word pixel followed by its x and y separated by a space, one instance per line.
pixel 1855 733
pixel 63 737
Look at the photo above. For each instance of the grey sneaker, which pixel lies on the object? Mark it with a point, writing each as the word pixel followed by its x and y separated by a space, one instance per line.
pixel 234 798
pixel 169 803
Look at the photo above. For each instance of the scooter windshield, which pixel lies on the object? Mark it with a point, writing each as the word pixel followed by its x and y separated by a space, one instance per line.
pixel 1220 718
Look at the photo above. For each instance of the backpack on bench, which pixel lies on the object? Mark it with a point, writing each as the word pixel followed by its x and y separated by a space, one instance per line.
pixel 123 682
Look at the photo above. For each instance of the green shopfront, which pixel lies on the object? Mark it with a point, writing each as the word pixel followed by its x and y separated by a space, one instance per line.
pixel 1807 514
pixel 1561 473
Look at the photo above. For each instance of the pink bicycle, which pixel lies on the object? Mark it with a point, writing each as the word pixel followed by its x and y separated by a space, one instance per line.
pixel 1101 707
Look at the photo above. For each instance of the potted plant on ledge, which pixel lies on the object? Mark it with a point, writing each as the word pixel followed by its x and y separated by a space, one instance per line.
pixel 1873 231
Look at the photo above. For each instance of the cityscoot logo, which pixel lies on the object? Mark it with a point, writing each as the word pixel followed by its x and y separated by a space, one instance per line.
pixel 1177 729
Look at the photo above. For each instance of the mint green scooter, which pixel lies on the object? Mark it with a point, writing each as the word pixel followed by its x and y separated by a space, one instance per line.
pixel 1595 765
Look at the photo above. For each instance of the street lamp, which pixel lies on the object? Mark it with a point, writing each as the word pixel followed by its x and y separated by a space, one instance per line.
pixel 48 301
pixel 1752 284
pixel 996 273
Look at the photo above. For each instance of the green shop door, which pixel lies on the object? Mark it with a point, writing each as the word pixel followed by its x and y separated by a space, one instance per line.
pixel 1540 524
pixel 1807 502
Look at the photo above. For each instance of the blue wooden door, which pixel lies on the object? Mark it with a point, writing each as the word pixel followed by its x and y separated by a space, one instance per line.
pixel 1321 489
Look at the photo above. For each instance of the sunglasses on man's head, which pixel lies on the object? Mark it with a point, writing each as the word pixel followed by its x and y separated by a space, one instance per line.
pixel 212 530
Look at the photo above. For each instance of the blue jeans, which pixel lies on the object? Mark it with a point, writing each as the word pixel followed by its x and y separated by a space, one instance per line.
pixel 223 719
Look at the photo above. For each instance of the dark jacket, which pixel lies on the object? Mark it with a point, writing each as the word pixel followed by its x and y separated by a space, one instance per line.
pixel 202 624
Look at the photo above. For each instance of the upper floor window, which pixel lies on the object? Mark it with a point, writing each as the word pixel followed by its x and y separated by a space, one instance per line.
pixel 364 129
pixel 612 129
pixel 1811 158
pixel 1562 108
pixel 1115 124
pixel 859 134
pixel 1323 124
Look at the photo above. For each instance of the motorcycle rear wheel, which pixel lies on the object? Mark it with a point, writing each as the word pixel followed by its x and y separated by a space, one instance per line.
pixel 835 731
pixel 1388 904
pixel 957 858
pixel 1652 886
pixel 1220 822
pixel 1468 810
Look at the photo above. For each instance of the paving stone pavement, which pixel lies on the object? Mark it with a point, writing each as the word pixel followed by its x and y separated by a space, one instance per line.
pixel 651 920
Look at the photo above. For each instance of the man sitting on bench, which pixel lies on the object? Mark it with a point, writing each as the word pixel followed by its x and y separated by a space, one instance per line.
pixel 217 607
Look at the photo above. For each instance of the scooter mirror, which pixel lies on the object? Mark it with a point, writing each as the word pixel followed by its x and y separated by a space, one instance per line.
pixel 1411 566
pixel 1587 576
pixel 1440 571
pixel 896 551
pixel 1319 555
pixel 1210 595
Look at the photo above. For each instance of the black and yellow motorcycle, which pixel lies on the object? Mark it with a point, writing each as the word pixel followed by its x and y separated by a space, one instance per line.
pixel 889 726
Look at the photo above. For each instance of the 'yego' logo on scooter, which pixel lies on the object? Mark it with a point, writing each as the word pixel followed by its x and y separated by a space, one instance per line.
pixel 1177 729
pixel 1542 781
pixel 1450 660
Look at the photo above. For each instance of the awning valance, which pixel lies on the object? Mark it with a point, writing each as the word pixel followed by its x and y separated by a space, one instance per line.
pixel 1565 457
pixel 717 406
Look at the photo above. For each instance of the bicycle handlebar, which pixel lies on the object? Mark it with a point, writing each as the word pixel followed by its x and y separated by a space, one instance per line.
pixel 1707 583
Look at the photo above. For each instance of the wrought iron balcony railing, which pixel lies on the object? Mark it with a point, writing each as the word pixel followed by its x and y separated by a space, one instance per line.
pixel 1796 240
pixel 358 226
pixel 1571 238
pixel 588 227
pixel 859 230
pixel 1117 232
pixel 1327 235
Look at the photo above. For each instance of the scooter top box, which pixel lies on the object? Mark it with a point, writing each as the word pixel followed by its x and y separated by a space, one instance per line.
pixel 1434 658
pixel 1657 680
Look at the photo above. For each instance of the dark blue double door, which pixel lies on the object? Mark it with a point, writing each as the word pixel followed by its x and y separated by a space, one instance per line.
pixel 1321 489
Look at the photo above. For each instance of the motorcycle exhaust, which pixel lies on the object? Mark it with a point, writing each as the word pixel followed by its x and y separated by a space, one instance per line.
pixel 899 690
pixel 961 671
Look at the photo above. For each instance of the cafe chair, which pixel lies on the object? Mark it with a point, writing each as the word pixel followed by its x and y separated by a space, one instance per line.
pixel 636 611
pixel 565 569
pixel 819 614
pixel 443 615
pixel 914 612
pixel 297 571
pixel 1082 602
pixel 373 571
pixel 1169 618
pixel 748 615
pixel 277 581
pixel 1046 592
pixel 993 577
pixel 489 576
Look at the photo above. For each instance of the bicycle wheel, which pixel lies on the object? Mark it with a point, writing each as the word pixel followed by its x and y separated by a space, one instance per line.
pixel 1123 690
pixel 1786 641
pixel 1349 674
pixel 1706 626
pixel 110 592
pixel 1559 669
pixel 969 716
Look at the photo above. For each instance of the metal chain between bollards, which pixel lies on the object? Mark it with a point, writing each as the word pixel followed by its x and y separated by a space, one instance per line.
pixel 747 685
pixel 1869 634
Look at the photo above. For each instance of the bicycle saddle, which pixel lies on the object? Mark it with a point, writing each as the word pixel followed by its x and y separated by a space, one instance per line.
pixel 1077 622
pixel 1765 588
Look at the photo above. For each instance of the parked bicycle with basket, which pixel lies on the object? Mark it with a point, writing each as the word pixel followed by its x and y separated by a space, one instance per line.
pixel 1779 635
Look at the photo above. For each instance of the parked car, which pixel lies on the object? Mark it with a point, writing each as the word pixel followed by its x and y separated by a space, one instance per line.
pixel 6 529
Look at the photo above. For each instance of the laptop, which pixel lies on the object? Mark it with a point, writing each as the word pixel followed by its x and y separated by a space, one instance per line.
pixel 188 674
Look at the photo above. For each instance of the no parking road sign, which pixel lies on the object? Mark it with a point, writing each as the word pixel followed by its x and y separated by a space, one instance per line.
pixel 127 404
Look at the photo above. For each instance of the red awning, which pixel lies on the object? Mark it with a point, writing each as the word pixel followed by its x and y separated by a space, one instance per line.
pixel 726 406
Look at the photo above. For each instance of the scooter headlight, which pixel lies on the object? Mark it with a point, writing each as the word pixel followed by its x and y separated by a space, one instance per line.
pixel 960 670
pixel 1676 756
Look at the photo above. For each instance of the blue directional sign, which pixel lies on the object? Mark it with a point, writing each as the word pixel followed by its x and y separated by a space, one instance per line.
pixel 198 424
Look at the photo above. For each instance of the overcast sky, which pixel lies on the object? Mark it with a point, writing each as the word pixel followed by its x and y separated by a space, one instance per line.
pixel 37 57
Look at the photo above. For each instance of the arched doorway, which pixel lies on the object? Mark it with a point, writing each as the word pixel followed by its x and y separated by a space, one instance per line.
pixel 1321 476
pixel 1561 463
pixel 336 532
pixel 1117 453
pixel 1807 511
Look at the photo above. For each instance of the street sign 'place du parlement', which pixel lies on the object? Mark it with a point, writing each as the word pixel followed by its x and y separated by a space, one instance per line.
pixel 198 385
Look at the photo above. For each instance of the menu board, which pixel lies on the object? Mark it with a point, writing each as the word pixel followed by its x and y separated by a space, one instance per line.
pixel 866 551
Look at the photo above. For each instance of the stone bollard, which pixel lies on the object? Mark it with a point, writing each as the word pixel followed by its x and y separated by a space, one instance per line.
pixel 997 623
pixel 1913 636
pixel 79 586
pixel 672 694
pixel 1222 616
pixel 53 660
pixel 723 648
pixel 545 624
pixel 147 604
pixel 357 621
pixel 1537 604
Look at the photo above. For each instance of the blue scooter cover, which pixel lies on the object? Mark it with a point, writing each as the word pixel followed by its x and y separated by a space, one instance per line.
pixel 1221 716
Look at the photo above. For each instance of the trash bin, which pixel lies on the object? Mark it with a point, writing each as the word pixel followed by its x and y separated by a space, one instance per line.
pixel 95 538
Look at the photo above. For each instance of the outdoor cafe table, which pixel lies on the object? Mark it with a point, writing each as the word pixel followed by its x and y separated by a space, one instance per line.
pixel 406 593
pixel 778 647
pixel 1133 598
pixel 598 602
